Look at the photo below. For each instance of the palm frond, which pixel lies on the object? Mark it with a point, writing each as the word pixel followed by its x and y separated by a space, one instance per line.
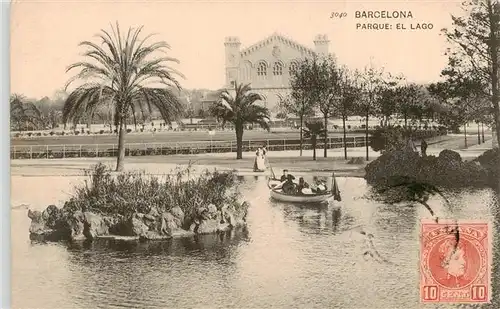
pixel 121 72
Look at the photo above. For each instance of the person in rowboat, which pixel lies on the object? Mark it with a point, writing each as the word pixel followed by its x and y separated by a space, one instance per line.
pixel 303 187
pixel 284 177
pixel 318 185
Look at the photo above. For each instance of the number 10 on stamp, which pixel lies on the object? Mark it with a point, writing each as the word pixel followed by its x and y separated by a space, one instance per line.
pixel 455 261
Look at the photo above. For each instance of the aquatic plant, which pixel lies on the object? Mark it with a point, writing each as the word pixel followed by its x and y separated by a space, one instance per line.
pixel 130 192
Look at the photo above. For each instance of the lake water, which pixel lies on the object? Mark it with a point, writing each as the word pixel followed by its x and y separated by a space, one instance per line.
pixel 288 257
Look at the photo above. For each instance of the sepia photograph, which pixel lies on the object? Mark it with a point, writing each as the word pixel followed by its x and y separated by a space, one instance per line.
pixel 254 154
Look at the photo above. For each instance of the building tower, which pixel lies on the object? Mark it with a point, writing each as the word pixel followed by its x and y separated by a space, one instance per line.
pixel 321 43
pixel 232 47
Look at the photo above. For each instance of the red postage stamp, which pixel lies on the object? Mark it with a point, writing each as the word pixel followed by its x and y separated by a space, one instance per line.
pixel 455 261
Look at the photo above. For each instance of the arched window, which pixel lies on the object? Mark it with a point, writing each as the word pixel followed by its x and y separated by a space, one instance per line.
pixel 278 68
pixel 292 68
pixel 262 69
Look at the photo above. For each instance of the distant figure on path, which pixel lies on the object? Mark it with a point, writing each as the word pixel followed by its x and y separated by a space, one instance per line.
pixel 410 145
pixel 259 165
pixel 264 155
pixel 423 147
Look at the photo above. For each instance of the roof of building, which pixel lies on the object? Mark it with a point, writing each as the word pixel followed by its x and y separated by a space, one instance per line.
pixel 276 37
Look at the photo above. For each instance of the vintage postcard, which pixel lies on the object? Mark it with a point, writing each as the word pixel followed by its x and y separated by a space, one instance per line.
pixel 255 154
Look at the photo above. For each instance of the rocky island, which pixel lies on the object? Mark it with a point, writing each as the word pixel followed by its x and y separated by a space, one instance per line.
pixel 134 206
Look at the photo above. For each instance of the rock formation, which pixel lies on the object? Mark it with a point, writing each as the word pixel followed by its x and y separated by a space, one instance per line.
pixel 55 223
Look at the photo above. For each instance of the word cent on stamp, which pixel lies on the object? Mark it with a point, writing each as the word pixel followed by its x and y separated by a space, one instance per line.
pixel 455 261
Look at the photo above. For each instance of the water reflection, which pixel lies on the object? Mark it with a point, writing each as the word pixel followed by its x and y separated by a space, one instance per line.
pixel 289 256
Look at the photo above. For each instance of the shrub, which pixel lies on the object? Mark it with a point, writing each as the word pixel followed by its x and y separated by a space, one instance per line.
pixel 51 133
pixel 129 130
pixel 29 133
pixel 132 192
pixel 389 138
pixel 101 131
pixel 77 132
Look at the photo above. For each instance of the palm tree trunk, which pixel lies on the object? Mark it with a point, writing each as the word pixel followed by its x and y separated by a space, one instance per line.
pixel 239 140
pixel 313 142
pixel 325 146
pixel 345 138
pixel 121 148
pixel 135 121
pixel 301 124
pixel 366 138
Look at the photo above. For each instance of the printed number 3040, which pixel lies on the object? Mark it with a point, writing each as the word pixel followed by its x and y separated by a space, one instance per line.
pixel 338 15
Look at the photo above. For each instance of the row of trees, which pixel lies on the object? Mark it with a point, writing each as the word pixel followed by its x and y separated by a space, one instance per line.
pixel 320 85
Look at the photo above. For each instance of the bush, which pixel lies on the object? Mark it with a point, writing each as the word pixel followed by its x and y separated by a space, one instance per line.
pixel 51 133
pixel 129 130
pixel 389 138
pixel 101 131
pixel 490 161
pixel 132 192
pixel 447 170
pixel 77 132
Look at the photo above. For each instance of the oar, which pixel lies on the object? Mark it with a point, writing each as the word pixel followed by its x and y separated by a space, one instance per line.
pixel 272 171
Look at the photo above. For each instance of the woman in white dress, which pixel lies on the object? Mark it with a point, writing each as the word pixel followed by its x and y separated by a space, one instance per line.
pixel 259 165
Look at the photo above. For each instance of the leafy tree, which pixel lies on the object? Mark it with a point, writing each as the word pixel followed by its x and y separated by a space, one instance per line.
pixel 122 72
pixel 281 115
pixel 409 101
pixel 327 84
pixel 239 109
pixel 349 94
pixel 304 95
pixel 312 131
pixel 387 104
pixel 462 95
pixel 190 114
pixel 475 38
pixel 372 81
pixel 24 115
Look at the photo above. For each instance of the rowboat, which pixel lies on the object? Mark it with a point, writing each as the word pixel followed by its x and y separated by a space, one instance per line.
pixel 279 195
pixel 306 198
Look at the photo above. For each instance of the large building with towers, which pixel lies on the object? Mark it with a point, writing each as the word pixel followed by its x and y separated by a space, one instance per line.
pixel 267 64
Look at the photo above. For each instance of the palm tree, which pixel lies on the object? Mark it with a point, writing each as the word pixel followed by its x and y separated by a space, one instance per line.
pixel 239 110
pixel 312 131
pixel 120 71
pixel 24 114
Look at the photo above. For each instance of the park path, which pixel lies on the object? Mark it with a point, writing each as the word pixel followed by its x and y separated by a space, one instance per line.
pixel 279 160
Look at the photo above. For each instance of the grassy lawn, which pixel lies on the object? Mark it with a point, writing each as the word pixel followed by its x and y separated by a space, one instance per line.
pixel 159 137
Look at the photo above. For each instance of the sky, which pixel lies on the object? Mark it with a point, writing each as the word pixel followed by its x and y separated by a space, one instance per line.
pixel 45 35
